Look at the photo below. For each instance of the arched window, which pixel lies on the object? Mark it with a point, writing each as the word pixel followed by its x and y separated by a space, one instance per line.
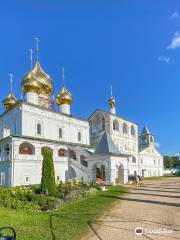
pixel 79 136
pixel 62 152
pixel 7 149
pixel 83 161
pixel 72 154
pixel 132 130
pixel 133 159
pixel 43 148
pixel 103 123
pixel 26 148
pixel 115 125
pixel 125 128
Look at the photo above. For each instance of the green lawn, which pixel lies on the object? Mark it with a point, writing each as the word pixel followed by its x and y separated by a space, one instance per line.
pixel 70 222
pixel 159 177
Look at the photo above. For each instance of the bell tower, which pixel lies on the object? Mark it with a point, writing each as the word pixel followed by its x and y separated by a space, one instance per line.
pixel 146 138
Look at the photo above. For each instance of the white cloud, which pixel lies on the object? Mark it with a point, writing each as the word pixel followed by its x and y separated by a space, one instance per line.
pixel 157 145
pixel 175 43
pixel 174 15
pixel 164 59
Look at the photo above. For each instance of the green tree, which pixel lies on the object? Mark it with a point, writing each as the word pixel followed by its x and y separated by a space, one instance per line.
pixel 171 161
pixel 48 175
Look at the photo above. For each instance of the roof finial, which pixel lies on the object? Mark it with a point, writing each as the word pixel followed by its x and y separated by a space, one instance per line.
pixel 63 76
pixel 111 90
pixel 37 48
pixel 31 57
pixel 11 80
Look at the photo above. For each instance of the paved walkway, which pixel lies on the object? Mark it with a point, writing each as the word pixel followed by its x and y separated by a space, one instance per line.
pixel 155 206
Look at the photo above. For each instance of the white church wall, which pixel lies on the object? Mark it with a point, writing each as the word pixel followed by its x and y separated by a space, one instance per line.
pixel 50 124
pixel 11 120
pixel 151 162
pixel 126 142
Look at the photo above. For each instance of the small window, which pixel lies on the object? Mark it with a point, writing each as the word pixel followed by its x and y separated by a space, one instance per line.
pixel 72 154
pixel 115 125
pixel 133 159
pixel 125 128
pixel 62 152
pixel 39 129
pixel 58 178
pixel 141 160
pixel 132 131
pixel 103 123
pixel 7 149
pixel 79 136
pixel 60 132
pixel 154 162
pixel 83 161
pixel 27 178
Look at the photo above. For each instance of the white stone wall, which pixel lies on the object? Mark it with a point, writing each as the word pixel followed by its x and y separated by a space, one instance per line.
pixel 18 167
pixel 12 120
pixel 151 162
pixel 126 142
pixel 51 122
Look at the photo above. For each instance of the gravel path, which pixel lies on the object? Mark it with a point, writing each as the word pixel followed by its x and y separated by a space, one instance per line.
pixel 155 206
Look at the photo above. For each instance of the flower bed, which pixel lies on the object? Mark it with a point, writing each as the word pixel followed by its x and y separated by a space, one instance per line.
pixel 31 198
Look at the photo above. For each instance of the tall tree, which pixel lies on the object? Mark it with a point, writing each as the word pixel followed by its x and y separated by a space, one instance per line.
pixel 171 161
pixel 48 175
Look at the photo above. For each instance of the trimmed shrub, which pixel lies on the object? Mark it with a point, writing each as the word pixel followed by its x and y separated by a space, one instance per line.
pixel 48 175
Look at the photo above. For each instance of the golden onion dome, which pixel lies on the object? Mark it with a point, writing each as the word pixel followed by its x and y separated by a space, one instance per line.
pixel 10 101
pixel 37 81
pixel 112 101
pixel 64 97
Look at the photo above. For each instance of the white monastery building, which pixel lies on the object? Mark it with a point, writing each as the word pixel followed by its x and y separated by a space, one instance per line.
pixel 104 146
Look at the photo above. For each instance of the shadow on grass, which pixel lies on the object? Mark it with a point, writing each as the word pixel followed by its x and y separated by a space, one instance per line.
pixel 51 227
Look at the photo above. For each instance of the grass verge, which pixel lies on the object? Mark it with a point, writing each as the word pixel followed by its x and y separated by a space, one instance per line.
pixel 160 177
pixel 68 223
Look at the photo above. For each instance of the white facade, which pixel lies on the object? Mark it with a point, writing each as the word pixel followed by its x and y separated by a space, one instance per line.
pixel 27 128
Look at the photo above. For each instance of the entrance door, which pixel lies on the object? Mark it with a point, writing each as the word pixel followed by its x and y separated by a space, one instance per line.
pixel 100 173
pixel 119 174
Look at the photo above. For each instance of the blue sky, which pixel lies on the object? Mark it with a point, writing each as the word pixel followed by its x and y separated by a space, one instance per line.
pixel 132 45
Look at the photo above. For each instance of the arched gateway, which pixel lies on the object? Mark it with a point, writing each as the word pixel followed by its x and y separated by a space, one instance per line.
pixel 99 172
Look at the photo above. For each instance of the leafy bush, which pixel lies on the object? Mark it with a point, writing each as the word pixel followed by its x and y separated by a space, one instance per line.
pixel 26 198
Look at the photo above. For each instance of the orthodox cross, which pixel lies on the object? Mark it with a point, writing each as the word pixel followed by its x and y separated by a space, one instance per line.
pixel 11 80
pixel 37 47
pixel 63 76
pixel 31 56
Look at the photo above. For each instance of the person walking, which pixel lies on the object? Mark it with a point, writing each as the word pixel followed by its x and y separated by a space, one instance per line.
pixel 137 181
